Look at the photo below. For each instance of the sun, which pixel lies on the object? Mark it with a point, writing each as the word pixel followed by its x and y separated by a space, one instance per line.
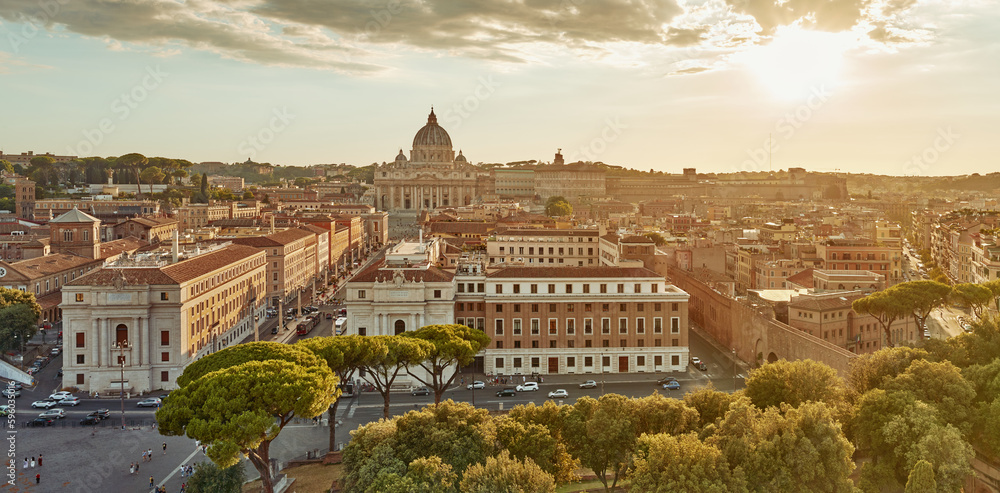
pixel 798 61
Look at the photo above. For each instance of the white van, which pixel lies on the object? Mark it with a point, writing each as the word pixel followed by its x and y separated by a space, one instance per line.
pixel 339 324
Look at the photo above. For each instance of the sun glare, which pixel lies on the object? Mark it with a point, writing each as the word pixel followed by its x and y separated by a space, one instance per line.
pixel 798 61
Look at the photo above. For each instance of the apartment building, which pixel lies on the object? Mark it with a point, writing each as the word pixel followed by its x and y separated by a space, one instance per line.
pixel 156 314
pixel 24 195
pixel 985 257
pixel 551 320
pixel 863 255
pixel 829 316
pixel 291 262
pixel 544 247
pixel 151 229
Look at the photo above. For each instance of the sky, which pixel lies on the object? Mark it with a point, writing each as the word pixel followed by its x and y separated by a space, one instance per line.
pixel 899 87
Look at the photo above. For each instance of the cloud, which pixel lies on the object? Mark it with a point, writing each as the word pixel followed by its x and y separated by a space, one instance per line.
pixel 10 64
pixel 364 36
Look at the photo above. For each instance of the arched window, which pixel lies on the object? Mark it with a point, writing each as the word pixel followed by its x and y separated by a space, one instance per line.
pixel 400 327
pixel 121 334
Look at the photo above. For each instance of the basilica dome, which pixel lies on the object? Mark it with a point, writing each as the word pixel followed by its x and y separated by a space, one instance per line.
pixel 431 134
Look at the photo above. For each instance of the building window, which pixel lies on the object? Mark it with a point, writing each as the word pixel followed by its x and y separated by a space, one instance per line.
pixel 588 326
pixel 80 359
pixel 588 361
pixel 570 326
pixel 164 337
pixel 534 308
pixel 674 306
pixel 571 361
pixel 586 288
pixel 640 307
pixel 640 360
pixel 534 289
pixel 517 308
pixel 499 363
pixel 79 378
pixel 164 296
pixel 534 344
pixel 604 288
pixel 657 360
pixel 481 287
pixel 67 235
pixel 499 344
pixel 461 287
pixel 569 289
pixel 437 294
pixel 638 288
pixel 499 308
pixel 587 307
pixel 622 307
pixel 499 288
pixel 606 362
pixel 517 362
pixel 165 356
pixel 535 326
pixel 657 325
pixel 361 294
pixel 605 325
pixel 362 331
pixel 675 360
pixel 517 288
pixel 655 287
pixel 621 288
pixel 499 326
pixel 605 307
pixel 79 296
pixel 164 376
pixel 675 342
pixel 640 326
pixel 534 362
pixel 553 326
pixel 675 325
pixel 570 308
pixel 517 326
pixel 623 326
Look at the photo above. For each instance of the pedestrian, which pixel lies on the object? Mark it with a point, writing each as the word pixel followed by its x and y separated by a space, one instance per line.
pixel 131 468
pixel 164 448
pixel 183 487
pixel 182 470
pixel 149 453
pixel 32 462
pixel 38 478
pixel 25 463
pixel 144 456
pixel 150 481
pixel 137 468
pixel 39 460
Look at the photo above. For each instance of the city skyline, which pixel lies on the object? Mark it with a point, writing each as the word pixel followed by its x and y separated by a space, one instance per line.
pixel 897 88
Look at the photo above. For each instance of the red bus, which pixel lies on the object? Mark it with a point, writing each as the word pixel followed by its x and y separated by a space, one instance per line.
pixel 307 326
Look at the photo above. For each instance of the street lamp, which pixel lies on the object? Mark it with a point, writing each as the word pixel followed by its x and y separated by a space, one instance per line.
pixel 734 370
pixel 121 347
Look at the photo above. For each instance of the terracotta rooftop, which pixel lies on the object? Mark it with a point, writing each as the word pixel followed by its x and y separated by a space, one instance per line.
pixel 834 303
pixel 804 278
pixel 49 264
pixel 280 238
pixel 178 273
pixel 379 272
pixel 112 248
pixel 75 216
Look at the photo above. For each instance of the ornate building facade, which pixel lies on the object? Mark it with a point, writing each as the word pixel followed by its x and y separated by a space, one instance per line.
pixel 433 176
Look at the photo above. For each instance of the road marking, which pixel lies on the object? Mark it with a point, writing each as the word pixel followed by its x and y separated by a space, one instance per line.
pixel 174 470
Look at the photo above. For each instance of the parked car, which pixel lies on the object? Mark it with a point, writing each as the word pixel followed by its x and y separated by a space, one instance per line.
pixel 3 410
pixel 44 404
pixel 11 393
pixel 589 384
pixel 665 380
pixel 527 387
pixel 476 385
pixel 62 394
pixel 698 363
pixel 42 422
pixel 967 327
pixel 56 413
pixel 328 316
pixel 507 393
pixel 151 402
pixel 558 394
pixel 100 414
pixel 674 385
pixel 90 420
pixel 421 391
pixel 56 351
pixel 70 401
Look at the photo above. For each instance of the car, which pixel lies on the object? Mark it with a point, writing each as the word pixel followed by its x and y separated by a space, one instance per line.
pixel 927 334
pixel 11 393
pixel 589 384
pixel 507 393
pixel 31 371
pixel 62 394
pixel 70 401
pixel 100 414
pixel 151 402
pixel 476 385
pixel 289 317
pixel 701 366
pixel 328 316
pixel 665 380
pixel 56 351
pixel 55 413
pixel 44 404
pixel 16 385
pixel 527 387
pixel 674 385
pixel 274 330
pixel 90 420
pixel 3 410
pixel 558 394
pixel 967 327
pixel 421 391
pixel 42 421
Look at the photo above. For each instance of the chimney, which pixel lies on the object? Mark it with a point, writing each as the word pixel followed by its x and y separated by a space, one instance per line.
pixel 175 250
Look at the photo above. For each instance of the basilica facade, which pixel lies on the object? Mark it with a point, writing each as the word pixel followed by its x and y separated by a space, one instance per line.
pixel 432 177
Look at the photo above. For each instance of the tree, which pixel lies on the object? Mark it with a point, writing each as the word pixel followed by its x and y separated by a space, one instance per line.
pixel 504 473
pixel 6 167
pixel 601 434
pixel 710 404
pixel 344 355
pixel 558 209
pixel 538 443
pixel 19 325
pixel 884 307
pixel 794 383
pixel 152 175
pixel 247 195
pixel 921 478
pixel 973 296
pixel 389 356
pixel 656 238
pixel 203 187
pixel 869 371
pixel 451 346
pixel 921 297
pixel 237 400
pixel 666 463
pixel 134 162
pixel 941 385
pixel 208 478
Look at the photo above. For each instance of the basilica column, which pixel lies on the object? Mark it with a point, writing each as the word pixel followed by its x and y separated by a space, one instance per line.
pixel 139 347
pixel 95 352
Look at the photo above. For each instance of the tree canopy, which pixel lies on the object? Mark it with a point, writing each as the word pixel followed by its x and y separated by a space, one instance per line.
pixel 451 346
